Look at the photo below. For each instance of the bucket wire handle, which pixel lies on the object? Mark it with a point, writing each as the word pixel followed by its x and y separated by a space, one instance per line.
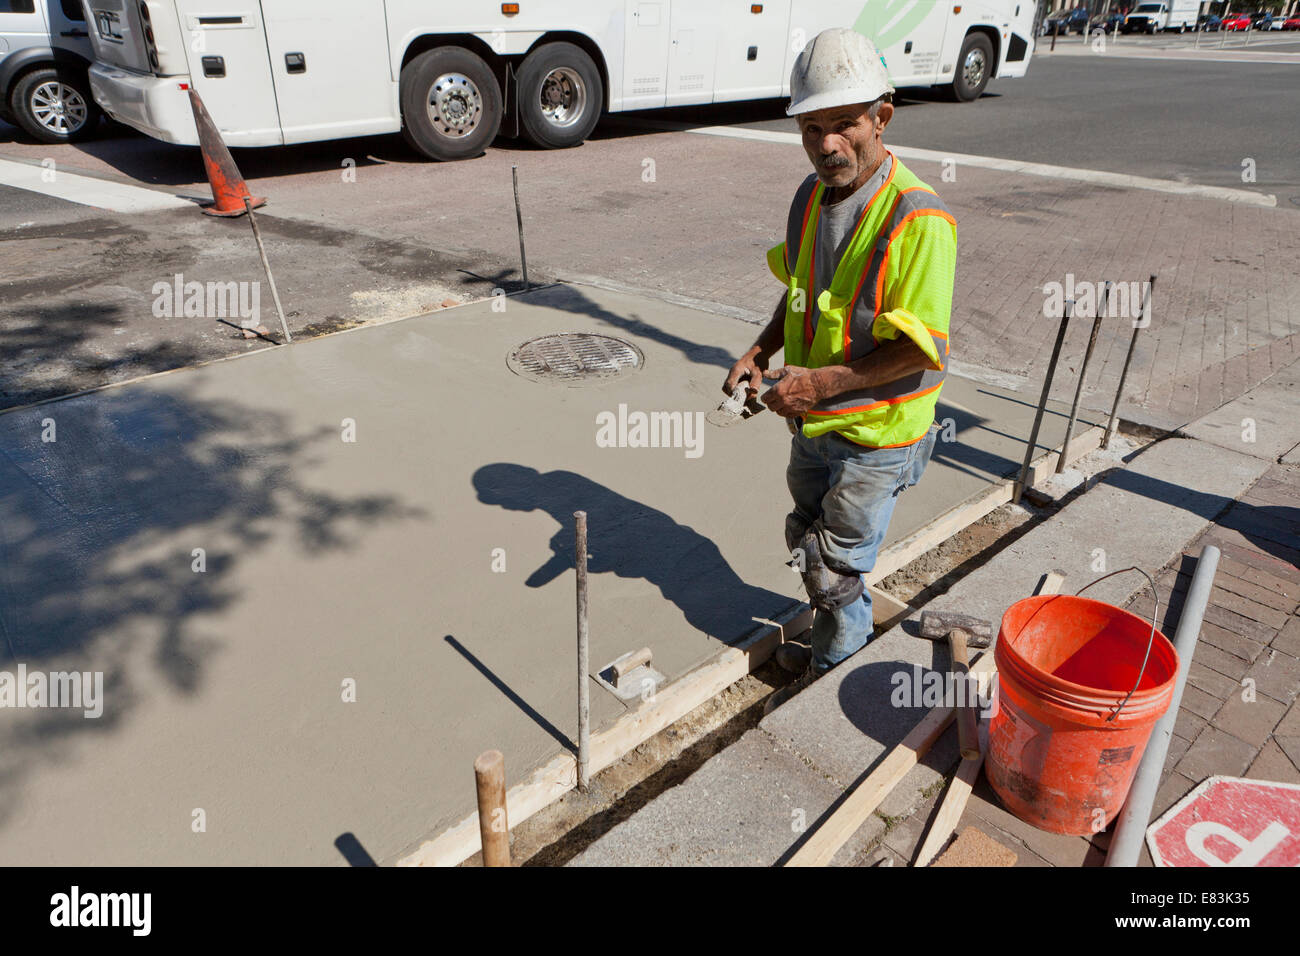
pixel 1155 614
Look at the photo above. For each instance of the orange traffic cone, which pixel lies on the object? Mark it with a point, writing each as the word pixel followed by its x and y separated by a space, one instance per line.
pixel 228 187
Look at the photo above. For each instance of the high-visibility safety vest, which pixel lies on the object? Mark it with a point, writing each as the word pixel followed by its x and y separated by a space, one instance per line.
pixel 895 278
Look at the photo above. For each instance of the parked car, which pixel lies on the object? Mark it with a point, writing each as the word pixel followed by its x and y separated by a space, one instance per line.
pixel 1237 22
pixel 44 55
pixel 1270 22
pixel 1291 24
pixel 1106 24
pixel 1210 23
pixel 1069 21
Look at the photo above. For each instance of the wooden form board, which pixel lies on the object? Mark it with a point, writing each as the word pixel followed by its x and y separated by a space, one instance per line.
pixel 831 834
pixel 559 775
pixel 952 806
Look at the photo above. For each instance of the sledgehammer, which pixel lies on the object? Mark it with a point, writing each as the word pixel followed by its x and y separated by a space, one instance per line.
pixel 962 631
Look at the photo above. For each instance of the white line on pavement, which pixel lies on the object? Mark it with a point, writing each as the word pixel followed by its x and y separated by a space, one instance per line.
pixel 1184 56
pixel 72 187
pixel 1095 176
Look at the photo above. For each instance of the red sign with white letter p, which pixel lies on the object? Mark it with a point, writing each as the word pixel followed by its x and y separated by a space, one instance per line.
pixel 1230 821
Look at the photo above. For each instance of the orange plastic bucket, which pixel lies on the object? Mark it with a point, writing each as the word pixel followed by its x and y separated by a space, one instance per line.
pixel 1062 749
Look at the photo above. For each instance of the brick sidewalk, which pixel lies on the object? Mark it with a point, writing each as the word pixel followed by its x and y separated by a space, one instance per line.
pixel 1251 631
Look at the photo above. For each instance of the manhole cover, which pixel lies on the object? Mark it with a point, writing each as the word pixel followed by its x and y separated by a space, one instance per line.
pixel 574 358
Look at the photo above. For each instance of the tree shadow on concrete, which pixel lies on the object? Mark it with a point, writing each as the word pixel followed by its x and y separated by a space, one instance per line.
pixel 633 540
pixel 98 531
pixel 54 353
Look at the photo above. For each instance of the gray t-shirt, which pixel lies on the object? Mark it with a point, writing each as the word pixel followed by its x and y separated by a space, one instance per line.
pixel 835 227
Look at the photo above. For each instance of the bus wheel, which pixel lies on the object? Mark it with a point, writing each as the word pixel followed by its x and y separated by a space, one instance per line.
pixel 973 67
pixel 54 105
pixel 560 95
pixel 451 103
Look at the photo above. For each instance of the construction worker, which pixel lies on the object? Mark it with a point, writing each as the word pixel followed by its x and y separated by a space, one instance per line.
pixel 868 262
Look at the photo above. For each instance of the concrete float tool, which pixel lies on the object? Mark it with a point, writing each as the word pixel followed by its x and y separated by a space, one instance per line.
pixel 962 632
pixel 734 409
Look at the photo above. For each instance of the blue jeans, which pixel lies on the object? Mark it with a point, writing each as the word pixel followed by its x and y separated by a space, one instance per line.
pixel 846 494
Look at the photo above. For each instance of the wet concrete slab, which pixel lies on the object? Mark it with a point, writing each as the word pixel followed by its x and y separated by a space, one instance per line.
pixel 306 639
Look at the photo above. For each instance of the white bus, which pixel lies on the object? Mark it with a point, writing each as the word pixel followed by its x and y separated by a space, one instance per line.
pixel 274 72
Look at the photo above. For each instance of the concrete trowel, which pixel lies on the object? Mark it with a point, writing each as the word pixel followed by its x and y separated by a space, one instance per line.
pixel 734 409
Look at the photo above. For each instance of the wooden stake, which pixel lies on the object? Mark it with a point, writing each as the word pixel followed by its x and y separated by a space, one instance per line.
pixel 494 828
pixel 951 809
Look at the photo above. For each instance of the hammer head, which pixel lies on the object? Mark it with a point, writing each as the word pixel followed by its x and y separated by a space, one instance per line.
pixel 936 625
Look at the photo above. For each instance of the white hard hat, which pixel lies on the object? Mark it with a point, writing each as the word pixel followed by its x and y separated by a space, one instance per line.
pixel 839 67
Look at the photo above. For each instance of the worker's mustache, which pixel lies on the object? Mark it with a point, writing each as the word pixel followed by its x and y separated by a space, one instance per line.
pixel 835 161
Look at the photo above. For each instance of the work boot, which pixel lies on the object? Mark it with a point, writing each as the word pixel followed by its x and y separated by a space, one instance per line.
pixel 788 691
pixel 793 657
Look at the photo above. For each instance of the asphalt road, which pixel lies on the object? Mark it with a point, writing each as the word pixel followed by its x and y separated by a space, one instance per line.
pixel 1185 121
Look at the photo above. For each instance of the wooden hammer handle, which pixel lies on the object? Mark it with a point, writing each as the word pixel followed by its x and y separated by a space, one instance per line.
pixel 967 719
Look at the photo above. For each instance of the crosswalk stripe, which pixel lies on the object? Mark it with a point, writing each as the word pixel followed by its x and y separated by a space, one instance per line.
pixel 86 190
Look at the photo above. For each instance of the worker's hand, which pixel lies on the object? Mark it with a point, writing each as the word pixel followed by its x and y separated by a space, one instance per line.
pixel 794 393
pixel 750 370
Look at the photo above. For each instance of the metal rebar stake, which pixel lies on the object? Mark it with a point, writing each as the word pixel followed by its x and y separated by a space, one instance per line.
pixel 584 691
pixel 1083 370
pixel 261 249
pixel 1042 403
pixel 1123 375
pixel 519 220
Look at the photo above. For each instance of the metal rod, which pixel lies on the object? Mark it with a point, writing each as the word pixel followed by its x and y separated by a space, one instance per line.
pixel 519 219
pixel 1042 402
pixel 1128 359
pixel 584 690
pixel 1083 370
pixel 493 827
pixel 1056 28
pixel 261 249
pixel 1131 825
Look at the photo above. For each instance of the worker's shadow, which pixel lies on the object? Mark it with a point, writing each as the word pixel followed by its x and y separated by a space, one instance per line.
pixel 633 540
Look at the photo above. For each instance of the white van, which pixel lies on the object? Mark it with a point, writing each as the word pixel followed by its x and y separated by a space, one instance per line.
pixel 449 74
pixel 1153 15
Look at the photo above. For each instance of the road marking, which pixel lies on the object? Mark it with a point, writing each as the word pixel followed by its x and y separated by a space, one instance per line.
pixel 85 190
pixel 1186 56
pixel 1095 176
